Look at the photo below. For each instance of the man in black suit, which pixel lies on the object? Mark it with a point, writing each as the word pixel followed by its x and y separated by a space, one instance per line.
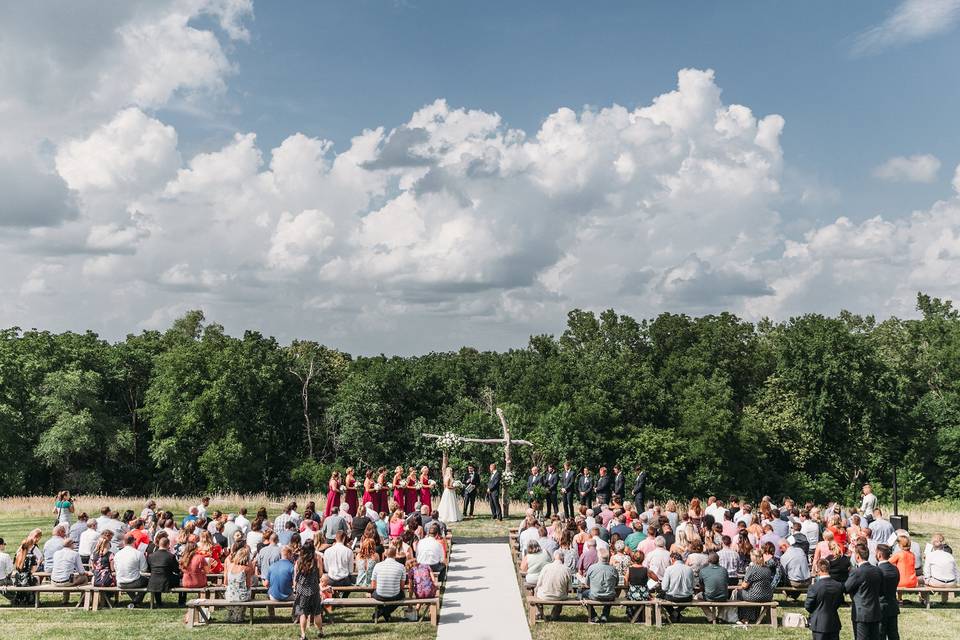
pixel 493 493
pixel 889 609
pixel 534 480
pixel 585 488
pixel 568 484
pixel 864 585
pixel 471 487
pixel 639 489
pixel 823 601
pixel 604 488
pixel 618 484
pixel 550 481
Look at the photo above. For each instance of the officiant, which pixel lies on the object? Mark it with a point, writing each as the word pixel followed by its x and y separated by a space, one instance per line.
pixel 471 487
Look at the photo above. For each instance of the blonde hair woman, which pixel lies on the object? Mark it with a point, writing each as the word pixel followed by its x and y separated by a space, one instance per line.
pixel 239 577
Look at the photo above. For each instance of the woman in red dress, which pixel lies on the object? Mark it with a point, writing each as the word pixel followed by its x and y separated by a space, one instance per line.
pixel 425 488
pixel 351 498
pixel 333 494
pixel 368 492
pixel 380 492
pixel 410 492
pixel 398 491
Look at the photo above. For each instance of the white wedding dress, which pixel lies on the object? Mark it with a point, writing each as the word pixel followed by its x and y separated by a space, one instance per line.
pixel 449 505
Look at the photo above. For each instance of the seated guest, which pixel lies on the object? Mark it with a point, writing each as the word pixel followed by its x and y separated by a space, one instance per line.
pixel 359 525
pixel 796 567
pixel 131 563
pixel 906 564
pixel 164 572
pixel 636 535
pixel 387 582
pixel 430 551
pixel 757 586
pixel 547 542
pixel 420 579
pixel 588 558
pixel 267 555
pixel 77 529
pixel 601 580
pixel 287 531
pixel 553 583
pixel 880 528
pixel 939 566
pixel 333 524
pixel 238 574
pixel 637 581
pixel 279 578
pixel 88 538
pixel 338 561
pixel 713 581
pixel 658 560
pixel 66 569
pixel 620 560
pixel 102 564
pixel 533 562
pixel 569 552
pixel 6 568
pixel 677 585
pixel 54 544
pixel 367 558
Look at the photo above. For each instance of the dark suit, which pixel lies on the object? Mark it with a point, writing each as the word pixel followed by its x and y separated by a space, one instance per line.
pixel 639 489
pixel 824 598
pixel 864 585
pixel 585 490
pixel 532 482
pixel 471 487
pixel 604 489
pixel 550 482
pixel 568 481
pixel 618 486
pixel 889 609
pixel 164 574
pixel 493 495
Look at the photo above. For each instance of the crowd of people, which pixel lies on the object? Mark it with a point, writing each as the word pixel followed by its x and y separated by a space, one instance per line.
pixel 731 550
pixel 398 551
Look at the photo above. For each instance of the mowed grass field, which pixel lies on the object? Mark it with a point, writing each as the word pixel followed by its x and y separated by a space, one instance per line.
pixel 19 515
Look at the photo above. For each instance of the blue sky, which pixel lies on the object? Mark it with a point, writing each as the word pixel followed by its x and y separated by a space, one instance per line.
pixel 407 176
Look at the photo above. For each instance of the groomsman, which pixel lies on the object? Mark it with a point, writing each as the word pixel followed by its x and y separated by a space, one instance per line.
pixel 533 480
pixel 604 487
pixel 471 486
pixel 585 488
pixel 568 484
pixel 639 488
pixel 550 481
pixel 493 493
pixel 618 484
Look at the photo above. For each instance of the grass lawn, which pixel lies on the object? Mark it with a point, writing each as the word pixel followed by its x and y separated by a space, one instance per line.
pixel 19 516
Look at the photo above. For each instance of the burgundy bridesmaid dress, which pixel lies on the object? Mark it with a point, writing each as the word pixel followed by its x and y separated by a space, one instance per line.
pixel 333 500
pixel 351 485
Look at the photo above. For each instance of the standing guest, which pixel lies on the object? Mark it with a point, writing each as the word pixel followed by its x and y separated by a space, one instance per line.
pixel 369 493
pixel 533 481
pixel 568 483
pixel 350 497
pixel 238 574
pixel 868 504
pixel 471 486
pixel 279 579
pixel 387 582
pixel 425 497
pixel 66 569
pixel 864 585
pixel 63 508
pixel 604 487
pixel 493 493
pixel 601 580
pixel 619 484
pixel 333 494
pixel 130 564
pixel 889 608
pixel 823 602
pixel 410 493
pixel 164 572
pixel 381 503
pixel 338 561
pixel 757 586
pixel 677 584
pixel 639 487
pixel 551 482
pixel 307 603
pixel 585 488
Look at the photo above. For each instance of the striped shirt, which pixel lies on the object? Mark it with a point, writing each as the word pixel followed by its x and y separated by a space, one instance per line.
pixel 389 576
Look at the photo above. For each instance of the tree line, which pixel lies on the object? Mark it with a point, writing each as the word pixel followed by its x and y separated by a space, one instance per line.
pixel 812 406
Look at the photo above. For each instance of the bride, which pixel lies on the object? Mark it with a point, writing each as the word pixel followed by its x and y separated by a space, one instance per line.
pixel 449 507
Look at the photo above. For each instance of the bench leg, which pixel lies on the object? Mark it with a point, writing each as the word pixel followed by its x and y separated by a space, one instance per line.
pixel 532 614
pixel 434 614
pixel 192 618
pixel 658 614
pixel 773 617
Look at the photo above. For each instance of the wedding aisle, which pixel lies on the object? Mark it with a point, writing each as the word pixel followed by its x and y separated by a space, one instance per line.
pixel 482 598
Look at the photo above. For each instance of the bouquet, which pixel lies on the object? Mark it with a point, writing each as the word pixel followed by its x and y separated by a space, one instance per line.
pixel 377 487
pixel 418 486
pixel 343 488
pixel 433 484
pixel 457 486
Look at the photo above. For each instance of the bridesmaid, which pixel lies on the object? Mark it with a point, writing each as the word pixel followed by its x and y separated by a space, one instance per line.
pixel 380 504
pixel 398 487
pixel 425 488
pixel 368 491
pixel 410 492
pixel 351 496
pixel 333 494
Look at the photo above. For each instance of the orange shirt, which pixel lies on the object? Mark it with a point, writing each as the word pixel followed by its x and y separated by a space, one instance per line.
pixel 906 564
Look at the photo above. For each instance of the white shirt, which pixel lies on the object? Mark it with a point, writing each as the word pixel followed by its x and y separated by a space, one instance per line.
pixel 811 530
pixel 243 523
pixel 373 515
pixel 600 544
pixel 6 565
pixel 338 561
pixel 87 539
pixel 253 539
pixel 527 536
pixel 430 552
pixel 941 566
pixel 657 561
pixel 201 511
pixel 130 562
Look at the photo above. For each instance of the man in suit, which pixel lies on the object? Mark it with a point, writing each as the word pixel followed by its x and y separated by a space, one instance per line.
pixel 864 585
pixel 471 487
pixel 550 481
pixel 618 484
pixel 533 480
pixel 889 609
pixel 823 601
pixel 493 493
pixel 639 489
pixel 604 488
pixel 585 488
pixel 568 485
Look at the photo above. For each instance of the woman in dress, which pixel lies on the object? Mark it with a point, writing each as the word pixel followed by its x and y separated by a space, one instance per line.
pixel 307 604
pixel 369 493
pixel 410 492
pixel 63 508
pixel 425 497
pixel 636 580
pixel 193 570
pixel 239 576
pixel 367 558
pixel 209 548
pixel 396 524
pixel 757 586
pixel 350 482
pixel 449 505
pixel 25 565
pixel 398 485
pixel 381 492
pixel 333 495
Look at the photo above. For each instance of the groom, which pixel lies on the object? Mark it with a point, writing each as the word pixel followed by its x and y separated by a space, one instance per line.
pixel 493 493
pixel 471 485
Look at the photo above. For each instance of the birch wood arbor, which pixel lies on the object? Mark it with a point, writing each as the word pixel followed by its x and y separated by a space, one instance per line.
pixel 507 441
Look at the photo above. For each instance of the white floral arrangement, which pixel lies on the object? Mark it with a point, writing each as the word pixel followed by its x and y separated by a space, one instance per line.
pixel 457 486
pixel 377 487
pixel 509 477
pixel 418 486
pixel 343 488
pixel 433 484
pixel 449 441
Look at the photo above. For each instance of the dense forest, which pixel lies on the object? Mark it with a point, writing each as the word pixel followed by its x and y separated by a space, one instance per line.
pixel 812 406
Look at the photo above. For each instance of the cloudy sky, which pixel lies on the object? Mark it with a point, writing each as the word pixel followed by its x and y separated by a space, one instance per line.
pixel 408 176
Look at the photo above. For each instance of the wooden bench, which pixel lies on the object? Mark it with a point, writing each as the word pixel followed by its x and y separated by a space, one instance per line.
pixel 49 588
pixel 650 607
pixel 200 609
pixel 766 608
pixel 95 594
pixel 925 592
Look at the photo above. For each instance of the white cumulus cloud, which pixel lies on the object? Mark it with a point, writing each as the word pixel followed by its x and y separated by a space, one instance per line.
pixel 916 168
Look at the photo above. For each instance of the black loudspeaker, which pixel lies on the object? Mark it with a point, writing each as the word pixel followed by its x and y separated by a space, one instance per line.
pixel 900 522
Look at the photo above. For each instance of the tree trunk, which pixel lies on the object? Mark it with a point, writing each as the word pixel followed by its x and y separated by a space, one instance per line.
pixel 507 462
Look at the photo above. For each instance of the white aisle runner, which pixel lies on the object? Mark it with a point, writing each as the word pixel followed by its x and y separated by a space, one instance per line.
pixel 482 598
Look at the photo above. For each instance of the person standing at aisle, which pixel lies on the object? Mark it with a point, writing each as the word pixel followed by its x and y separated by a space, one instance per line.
pixel 619 484
pixel 823 602
pixel 493 493
pixel 568 485
pixel 639 488
pixel 604 487
pixel 864 585
pixel 471 486
pixel 551 481
pixel 585 488
pixel 889 608
pixel 534 480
